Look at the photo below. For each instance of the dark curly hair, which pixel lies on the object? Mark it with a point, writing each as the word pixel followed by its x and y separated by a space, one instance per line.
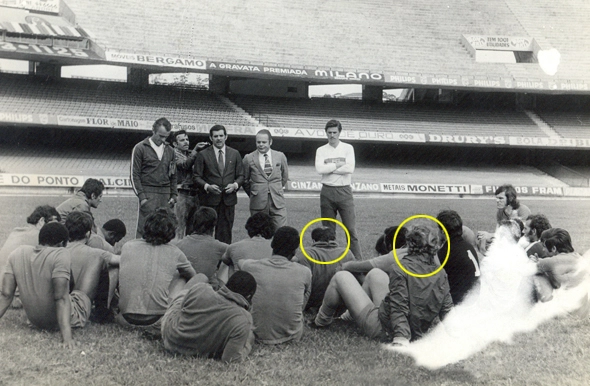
pixel 159 228
pixel 44 211
pixel 260 224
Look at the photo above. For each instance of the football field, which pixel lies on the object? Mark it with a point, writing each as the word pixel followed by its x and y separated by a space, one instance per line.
pixel 557 353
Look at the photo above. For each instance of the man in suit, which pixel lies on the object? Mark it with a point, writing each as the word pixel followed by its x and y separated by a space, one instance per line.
pixel 265 175
pixel 219 174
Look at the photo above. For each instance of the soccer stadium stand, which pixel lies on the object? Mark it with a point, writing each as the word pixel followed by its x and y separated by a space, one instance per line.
pixel 422 37
pixel 22 94
pixel 560 24
pixel 396 117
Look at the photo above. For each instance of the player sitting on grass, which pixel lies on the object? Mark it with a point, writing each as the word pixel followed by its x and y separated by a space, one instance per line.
pixel 508 207
pixel 562 267
pixel 326 249
pixel 534 226
pixel 261 229
pixel 201 249
pixel 283 290
pixel 27 235
pixel 213 324
pixel 108 236
pixel 149 274
pixel 86 259
pixel 401 307
pixel 462 266
pixel 42 274
pixel 89 196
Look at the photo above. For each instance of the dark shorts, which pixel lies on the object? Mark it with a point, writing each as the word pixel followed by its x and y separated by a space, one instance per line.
pixel 368 322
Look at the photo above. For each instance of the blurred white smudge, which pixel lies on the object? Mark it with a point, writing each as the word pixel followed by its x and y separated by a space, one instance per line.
pixel 496 310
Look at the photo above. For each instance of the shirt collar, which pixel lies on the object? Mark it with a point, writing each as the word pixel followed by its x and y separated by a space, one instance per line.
pixel 154 144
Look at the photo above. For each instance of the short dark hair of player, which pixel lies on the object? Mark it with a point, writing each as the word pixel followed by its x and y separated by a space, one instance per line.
pixel 285 242
pixel 92 186
pixel 558 238
pixel 175 134
pixel 452 222
pixel 162 122
pixel 511 196
pixel 539 222
pixel 384 243
pixel 217 128
pixel 324 234
pixel 243 283
pixel 333 123
pixel 267 132
pixel 400 242
pixel 204 220
pixel 260 224
pixel 53 234
pixel 422 239
pixel 78 225
pixel 159 228
pixel 116 227
pixel 46 212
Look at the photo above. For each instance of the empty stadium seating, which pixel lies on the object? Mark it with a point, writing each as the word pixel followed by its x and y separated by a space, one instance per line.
pixel 396 117
pixel 22 94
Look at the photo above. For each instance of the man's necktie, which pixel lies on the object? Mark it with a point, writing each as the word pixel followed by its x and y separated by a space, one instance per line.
pixel 221 162
pixel 267 166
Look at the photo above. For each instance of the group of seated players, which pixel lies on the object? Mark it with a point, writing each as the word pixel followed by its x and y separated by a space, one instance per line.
pixel 203 297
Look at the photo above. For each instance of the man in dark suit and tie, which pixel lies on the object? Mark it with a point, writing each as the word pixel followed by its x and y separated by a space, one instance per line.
pixel 218 173
pixel 265 175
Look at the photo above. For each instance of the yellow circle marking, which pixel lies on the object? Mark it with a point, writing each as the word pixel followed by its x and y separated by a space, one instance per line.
pixel 423 275
pixel 313 222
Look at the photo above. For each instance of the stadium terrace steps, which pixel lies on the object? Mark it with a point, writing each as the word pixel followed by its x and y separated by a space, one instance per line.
pixel 568 124
pixel 396 117
pixel 23 94
pixel 114 161
pixel 419 37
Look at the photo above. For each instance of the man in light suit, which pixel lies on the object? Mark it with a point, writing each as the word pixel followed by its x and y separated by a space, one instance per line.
pixel 218 173
pixel 265 175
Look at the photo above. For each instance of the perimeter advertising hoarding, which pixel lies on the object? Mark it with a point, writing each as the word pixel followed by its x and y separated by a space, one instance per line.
pixel 60 181
pixel 161 60
pixel 69 181
pixel 300 72
pixel 521 190
pixel 356 135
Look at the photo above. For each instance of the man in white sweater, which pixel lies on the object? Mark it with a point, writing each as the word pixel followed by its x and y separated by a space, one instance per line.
pixel 335 162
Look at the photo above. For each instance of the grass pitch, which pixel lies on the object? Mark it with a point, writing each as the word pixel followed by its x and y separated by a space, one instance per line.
pixel 557 353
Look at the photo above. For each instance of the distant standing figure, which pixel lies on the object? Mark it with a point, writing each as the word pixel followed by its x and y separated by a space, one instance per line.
pixel 265 175
pixel 335 162
pixel 153 173
pixel 218 173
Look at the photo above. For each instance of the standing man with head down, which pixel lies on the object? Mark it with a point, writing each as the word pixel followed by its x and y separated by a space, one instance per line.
pixel 335 162
pixel 218 174
pixel 153 173
pixel 265 175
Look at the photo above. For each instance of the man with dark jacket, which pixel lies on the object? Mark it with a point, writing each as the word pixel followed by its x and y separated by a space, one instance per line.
pixel 153 173
pixel 218 173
